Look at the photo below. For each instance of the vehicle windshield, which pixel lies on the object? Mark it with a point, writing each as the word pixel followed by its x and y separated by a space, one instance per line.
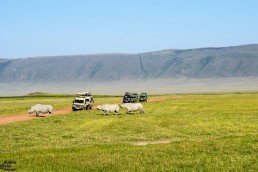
pixel 78 101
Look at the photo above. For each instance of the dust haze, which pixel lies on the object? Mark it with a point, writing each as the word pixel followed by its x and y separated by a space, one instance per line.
pixel 156 86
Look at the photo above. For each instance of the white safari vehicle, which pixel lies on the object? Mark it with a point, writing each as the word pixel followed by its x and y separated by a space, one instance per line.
pixel 82 101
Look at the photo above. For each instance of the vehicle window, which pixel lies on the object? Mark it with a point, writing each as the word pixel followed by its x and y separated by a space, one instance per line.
pixel 78 101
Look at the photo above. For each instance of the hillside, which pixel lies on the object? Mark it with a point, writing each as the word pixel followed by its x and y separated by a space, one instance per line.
pixel 168 71
pixel 238 61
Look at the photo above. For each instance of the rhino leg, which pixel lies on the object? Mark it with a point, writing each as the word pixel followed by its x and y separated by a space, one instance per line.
pixel 37 114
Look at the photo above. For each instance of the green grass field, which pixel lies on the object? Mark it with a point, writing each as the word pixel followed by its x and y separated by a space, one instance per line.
pixel 207 132
pixel 19 105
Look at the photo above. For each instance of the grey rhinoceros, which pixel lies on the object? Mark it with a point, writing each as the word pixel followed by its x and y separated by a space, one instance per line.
pixel 39 108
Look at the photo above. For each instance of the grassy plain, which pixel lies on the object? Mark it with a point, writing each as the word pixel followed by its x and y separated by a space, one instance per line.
pixel 19 105
pixel 207 132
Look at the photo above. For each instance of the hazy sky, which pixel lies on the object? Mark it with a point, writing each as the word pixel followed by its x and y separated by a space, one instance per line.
pixel 65 27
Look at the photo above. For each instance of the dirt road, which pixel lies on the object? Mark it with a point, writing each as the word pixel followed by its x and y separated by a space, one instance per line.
pixel 24 117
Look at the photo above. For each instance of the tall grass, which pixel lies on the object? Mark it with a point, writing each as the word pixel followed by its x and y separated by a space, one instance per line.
pixel 207 133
